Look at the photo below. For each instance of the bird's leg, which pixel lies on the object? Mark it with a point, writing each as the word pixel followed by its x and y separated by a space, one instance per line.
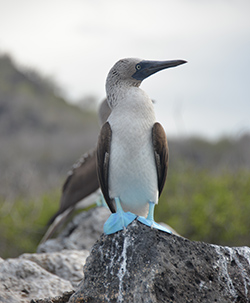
pixel 149 221
pixel 119 220
pixel 100 202
pixel 151 210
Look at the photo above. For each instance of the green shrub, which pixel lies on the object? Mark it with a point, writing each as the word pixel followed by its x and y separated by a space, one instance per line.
pixel 22 223
pixel 206 207
pixel 199 205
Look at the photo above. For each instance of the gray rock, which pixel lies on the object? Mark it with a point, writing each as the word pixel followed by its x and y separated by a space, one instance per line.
pixel 21 280
pixel 145 265
pixel 67 264
pixel 54 270
pixel 138 264
pixel 64 298
pixel 81 233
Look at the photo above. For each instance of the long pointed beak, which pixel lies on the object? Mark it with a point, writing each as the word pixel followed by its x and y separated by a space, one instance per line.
pixel 146 68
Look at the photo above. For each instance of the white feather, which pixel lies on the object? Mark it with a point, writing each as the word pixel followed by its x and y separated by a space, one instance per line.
pixel 132 170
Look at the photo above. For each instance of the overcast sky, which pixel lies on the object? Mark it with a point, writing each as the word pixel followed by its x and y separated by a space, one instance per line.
pixel 77 42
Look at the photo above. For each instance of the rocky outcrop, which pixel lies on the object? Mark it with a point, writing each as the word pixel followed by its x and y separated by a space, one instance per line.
pixel 81 233
pixel 58 265
pixel 138 264
pixel 145 265
pixel 21 280
pixel 67 264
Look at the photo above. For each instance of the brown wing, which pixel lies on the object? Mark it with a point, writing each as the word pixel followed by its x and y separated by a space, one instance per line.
pixel 160 145
pixel 103 155
pixel 81 182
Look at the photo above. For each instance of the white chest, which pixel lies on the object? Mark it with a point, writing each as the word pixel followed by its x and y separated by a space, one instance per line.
pixel 132 171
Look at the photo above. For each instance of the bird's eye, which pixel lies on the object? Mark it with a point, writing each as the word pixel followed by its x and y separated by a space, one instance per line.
pixel 138 67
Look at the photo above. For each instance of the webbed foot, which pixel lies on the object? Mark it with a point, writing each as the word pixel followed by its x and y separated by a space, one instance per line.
pixel 119 220
pixel 149 221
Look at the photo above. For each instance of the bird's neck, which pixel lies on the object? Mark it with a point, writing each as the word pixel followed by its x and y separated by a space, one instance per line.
pixel 123 93
pixel 118 90
pixel 131 102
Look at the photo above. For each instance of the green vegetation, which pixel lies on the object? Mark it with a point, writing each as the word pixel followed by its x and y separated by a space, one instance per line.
pixel 207 207
pixel 22 223
pixel 197 204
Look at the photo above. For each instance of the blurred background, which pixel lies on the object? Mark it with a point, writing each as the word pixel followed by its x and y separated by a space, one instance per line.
pixel 54 58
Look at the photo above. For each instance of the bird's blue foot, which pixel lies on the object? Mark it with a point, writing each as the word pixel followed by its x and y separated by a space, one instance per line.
pixel 153 224
pixel 149 221
pixel 119 220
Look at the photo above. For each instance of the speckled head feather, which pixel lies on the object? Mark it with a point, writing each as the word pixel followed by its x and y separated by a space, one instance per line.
pixel 121 75
pixel 123 70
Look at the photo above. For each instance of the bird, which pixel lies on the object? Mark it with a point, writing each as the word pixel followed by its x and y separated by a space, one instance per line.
pixel 132 149
pixel 81 187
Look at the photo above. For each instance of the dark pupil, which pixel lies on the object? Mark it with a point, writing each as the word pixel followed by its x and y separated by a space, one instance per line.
pixel 138 67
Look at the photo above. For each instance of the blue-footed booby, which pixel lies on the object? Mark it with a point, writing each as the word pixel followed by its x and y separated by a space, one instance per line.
pixel 132 150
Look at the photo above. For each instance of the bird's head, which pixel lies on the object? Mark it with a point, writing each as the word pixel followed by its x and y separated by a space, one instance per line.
pixel 122 72
pixel 132 71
